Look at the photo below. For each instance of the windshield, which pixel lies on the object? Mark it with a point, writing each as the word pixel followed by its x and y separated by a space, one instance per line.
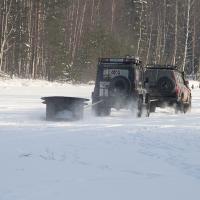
pixel 112 71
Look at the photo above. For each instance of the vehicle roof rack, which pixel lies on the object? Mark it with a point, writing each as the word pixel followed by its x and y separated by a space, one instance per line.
pixel 120 60
pixel 158 66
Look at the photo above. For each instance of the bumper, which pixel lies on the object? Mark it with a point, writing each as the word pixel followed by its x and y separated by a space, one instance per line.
pixel 162 101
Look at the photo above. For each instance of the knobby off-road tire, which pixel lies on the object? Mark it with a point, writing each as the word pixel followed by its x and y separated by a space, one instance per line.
pixel 187 107
pixel 140 107
pixel 143 109
pixel 147 110
pixel 147 106
pixel 180 107
pixel 183 107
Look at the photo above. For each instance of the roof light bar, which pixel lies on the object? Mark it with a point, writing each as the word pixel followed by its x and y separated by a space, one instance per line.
pixel 120 60
pixel 162 66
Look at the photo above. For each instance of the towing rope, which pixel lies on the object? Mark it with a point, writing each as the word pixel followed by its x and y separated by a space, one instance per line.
pixel 98 102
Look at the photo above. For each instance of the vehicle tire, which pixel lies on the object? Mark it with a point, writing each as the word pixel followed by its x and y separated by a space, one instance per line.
pixel 140 107
pixel 179 107
pixel 176 109
pixel 143 109
pixel 165 85
pixel 119 86
pixel 152 108
pixel 106 111
pixel 187 107
pixel 101 110
pixel 148 110
pixel 147 106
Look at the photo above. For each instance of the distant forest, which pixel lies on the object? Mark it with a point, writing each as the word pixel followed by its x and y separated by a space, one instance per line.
pixel 62 39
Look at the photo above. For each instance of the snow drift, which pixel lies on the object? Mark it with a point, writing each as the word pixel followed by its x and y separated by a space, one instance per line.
pixel 111 158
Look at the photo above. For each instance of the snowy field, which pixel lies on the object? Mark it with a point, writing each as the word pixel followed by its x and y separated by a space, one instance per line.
pixel 118 157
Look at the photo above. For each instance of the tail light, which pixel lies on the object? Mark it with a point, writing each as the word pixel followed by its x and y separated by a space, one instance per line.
pixel 177 90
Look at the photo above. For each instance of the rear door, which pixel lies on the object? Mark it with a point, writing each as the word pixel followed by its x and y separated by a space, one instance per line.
pixel 160 82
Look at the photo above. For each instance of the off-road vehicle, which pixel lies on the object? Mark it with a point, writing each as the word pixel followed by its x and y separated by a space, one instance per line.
pixel 119 84
pixel 167 87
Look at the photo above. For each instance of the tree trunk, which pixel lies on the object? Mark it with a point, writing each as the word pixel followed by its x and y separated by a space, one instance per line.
pixel 187 34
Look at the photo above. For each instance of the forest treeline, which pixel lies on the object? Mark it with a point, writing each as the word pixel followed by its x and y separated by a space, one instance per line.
pixel 62 39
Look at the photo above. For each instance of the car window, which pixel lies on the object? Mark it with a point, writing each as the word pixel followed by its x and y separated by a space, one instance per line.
pixel 150 76
pixel 165 73
pixel 112 71
pixel 154 75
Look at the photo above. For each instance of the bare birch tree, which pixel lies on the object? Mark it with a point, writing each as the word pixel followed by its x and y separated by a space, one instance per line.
pixel 186 34
pixel 7 30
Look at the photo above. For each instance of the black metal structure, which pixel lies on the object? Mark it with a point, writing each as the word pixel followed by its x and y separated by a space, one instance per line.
pixel 64 108
pixel 119 84
pixel 167 86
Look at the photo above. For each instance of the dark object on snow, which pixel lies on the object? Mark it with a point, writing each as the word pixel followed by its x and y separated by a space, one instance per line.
pixel 167 87
pixel 120 84
pixel 64 108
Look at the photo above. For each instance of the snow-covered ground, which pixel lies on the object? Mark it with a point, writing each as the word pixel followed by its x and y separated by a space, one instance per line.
pixel 118 157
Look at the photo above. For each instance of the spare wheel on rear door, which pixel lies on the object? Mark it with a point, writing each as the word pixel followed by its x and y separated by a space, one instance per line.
pixel 119 86
pixel 165 85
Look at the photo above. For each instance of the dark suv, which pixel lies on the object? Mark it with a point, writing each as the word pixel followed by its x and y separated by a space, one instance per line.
pixel 167 87
pixel 119 84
